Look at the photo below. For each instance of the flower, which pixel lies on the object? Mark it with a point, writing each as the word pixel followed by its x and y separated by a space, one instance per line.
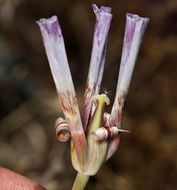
pixel 95 135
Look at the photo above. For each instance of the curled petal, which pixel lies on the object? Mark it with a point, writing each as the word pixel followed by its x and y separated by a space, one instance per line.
pixel 103 20
pixel 62 130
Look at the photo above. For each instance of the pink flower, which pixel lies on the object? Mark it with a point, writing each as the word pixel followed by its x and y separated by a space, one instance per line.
pixel 95 134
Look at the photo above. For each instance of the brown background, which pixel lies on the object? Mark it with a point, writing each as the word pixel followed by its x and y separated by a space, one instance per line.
pixel 146 158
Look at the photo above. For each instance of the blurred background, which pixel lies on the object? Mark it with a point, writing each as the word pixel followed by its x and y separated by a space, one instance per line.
pixel 146 158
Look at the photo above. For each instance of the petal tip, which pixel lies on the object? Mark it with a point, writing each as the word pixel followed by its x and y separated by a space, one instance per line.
pixel 50 25
pixel 105 9
pixel 46 20
pixel 136 17
pixel 95 8
pixel 102 9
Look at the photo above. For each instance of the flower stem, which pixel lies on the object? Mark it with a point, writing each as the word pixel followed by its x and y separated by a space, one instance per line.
pixel 80 181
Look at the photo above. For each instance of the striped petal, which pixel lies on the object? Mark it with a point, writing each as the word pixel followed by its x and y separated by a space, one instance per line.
pixel 134 32
pixel 55 49
pixel 103 20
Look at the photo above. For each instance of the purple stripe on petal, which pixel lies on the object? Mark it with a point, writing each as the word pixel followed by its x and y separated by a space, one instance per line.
pixel 95 9
pixel 103 20
pixel 101 71
pixel 55 50
pixel 134 32
pixel 105 9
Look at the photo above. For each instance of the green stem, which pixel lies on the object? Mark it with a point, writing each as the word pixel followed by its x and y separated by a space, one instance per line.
pixel 80 181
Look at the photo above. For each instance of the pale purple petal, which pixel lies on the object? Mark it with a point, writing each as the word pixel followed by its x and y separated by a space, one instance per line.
pixel 55 49
pixel 101 71
pixel 100 77
pixel 103 20
pixel 112 147
pixel 134 32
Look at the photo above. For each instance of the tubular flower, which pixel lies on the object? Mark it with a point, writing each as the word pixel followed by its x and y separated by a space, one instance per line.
pixel 95 134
